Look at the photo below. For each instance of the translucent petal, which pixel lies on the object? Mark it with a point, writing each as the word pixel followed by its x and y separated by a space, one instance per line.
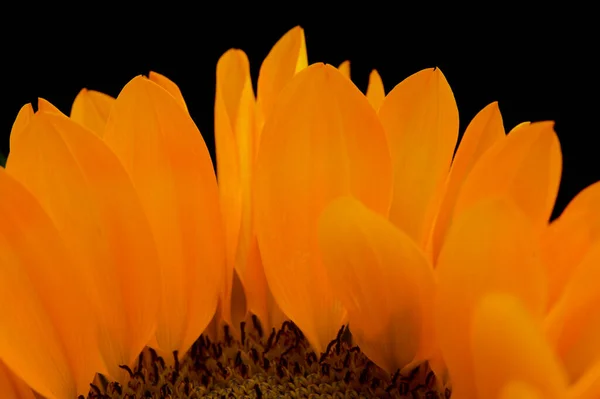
pixel 382 279
pixel 375 90
pixel 170 167
pixel 490 247
pixel 566 241
pixel 573 325
pixel 525 166
pixel 508 346
pixel 344 68
pixel 169 86
pixel 485 129
pixel 323 140
pixel 421 121
pixel 46 332
pixel 286 58
pixel 100 219
pixel 11 386
pixel 91 109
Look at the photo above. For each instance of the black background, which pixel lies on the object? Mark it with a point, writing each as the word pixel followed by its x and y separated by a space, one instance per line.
pixel 538 67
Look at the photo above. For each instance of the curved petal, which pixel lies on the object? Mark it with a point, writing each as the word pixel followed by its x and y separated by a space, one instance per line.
pixel 344 68
pixel 508 346
pixel 100 218
pixel 485 130
pixel 169 86
pixel 23 118
pixel 588 386
pixel 382 279
pixel 421 121
pixel 566 241
pixel 46 332
pixel 490 247
pixel 170 167
pixel 286 58
pixel 520 390
pixel 47 106
pixel 375 90
pixel 91 109
pixel 525 166
pixel 323 140
pixel 11 386
pixel 573 325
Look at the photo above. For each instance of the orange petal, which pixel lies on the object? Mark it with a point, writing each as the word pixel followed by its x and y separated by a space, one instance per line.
pixel 91 109
pixel 23 118
pixel 323 140
pixel 520 390
pixel 490 247
pixel 508 346
pixel 286 58
pixel 483 131
pixel 46 106
pixel 11 386
pixel 574 323
pixel 235 134
pixel 588 386
pixel 375 90
pixel 382 279
pixel 525 166
pixel 46 334
pixel 421 121
pixel 169 86
pixel 344 68
pixel 566 241
pixel 170 167
pixel 100 218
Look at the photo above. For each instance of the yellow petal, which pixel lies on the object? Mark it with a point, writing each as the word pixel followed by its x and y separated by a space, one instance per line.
pixel 46 333
pixel 375 90
pixel 483 131
pixel 286 58
pixel 566 241
pixel 382 279
pixel 169 86
pixel 23 118
pixel 91 109
pixel 588 386
pixel 574 323
pixel 11 386
pixel 87 193
pixel 344 68
pixel 235 134
pixel 323 140
pixel 421 121
pixel 508 346
pixel 525 166
pixel 490 247
pixel 170 167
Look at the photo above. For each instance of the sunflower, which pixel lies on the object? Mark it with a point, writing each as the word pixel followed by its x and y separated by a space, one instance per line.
pixel 341 250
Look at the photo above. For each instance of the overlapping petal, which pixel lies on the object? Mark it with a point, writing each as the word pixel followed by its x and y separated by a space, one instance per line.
pixel 91 109
pixel 11 386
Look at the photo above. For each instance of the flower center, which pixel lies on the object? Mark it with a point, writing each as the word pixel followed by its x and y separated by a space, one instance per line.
pixel 257 365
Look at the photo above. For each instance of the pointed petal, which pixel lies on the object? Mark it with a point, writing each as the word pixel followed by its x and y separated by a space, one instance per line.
pixel 322 141
pixel 382 279
pixel 484 131
pixel 490 247
pixel 525 167
pixel 102 223
pixel 170 167
pixel 286 58
pixel 23 118
pixel 169 86
pixel 235 134
pixel 91 109
pixel 344 68
pixel 375 90
pixel 11 386
pixel 47 106
pixel 508 346
pixel 46 334
pixel 421 121
pixel 566 241
pixel 574 323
